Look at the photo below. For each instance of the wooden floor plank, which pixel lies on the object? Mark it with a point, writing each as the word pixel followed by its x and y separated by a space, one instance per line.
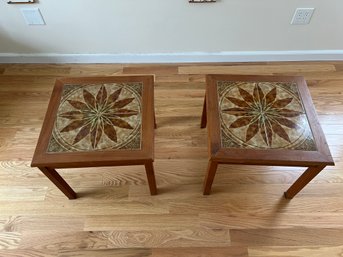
pixel 139 222
pixel 107 252
pixel 41 223
pixel 231 251
pixel 27 253
pixel 162 69
pixel 295 251
pixel 21 193
pixel 83 70
pixel 73 208
pixel 37 69
pixel 260 204
pixel 256 69
pixel 186 236
pixel 287 237
pixel 272 221
pixel 56 241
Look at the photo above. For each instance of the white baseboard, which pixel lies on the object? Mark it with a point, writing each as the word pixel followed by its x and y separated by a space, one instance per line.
pixel 189 57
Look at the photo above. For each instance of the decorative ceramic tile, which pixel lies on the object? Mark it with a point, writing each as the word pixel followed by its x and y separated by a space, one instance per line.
pixel 98 117
pixel 263 115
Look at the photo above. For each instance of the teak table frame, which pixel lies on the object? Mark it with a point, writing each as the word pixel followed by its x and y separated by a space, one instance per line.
pixel 315 161
pixel 47 162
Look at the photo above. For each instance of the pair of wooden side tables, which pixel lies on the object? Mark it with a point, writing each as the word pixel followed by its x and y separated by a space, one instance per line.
pixel 251 120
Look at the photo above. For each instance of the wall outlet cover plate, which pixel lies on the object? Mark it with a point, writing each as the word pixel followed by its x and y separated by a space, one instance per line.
pixel 32 16
pixel 302 16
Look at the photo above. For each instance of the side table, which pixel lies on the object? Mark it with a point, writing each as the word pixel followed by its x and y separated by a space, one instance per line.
pixel 98 121
pixel 263 120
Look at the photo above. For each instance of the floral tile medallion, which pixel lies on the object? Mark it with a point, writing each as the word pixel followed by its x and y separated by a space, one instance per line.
pixel 98 117
pixel 263 115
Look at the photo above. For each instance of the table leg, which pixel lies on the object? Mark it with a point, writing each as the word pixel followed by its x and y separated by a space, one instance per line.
pixel 211 172
pixel 149 168
pixel 303 180
pixel 204 115
pixel 58 181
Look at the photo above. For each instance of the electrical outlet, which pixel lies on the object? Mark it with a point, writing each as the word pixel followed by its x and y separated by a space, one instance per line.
pixel 302 16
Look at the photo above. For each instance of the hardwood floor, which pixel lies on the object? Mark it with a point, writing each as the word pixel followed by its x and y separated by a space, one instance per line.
pixel 246 214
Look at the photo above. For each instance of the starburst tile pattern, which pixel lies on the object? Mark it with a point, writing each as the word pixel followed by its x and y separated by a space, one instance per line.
pixel 263 115
pixel 98 117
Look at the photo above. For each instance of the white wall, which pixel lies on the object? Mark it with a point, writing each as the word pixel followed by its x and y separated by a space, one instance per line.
pixel 170 26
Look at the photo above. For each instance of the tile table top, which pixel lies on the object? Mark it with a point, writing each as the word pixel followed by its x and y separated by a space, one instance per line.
pixel 98 116
pixel 263 115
